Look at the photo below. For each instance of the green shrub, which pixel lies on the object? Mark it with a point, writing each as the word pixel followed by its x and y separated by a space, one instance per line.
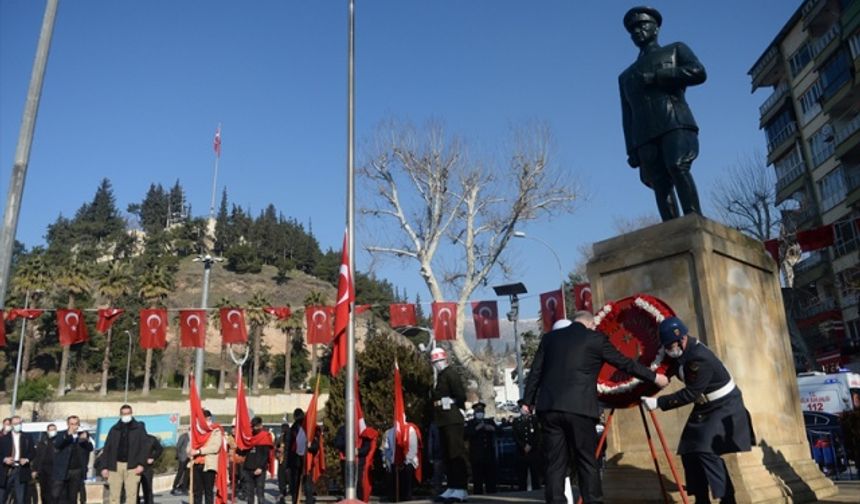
pixel 166 462
pixel 38 390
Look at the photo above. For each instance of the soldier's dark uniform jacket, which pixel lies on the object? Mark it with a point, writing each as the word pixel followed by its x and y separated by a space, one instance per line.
pixel 448 384
pixel 527 431
pixel 719 423
pixel 482 443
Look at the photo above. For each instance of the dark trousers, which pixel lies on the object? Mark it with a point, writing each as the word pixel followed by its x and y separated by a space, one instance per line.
pixel 704 470
pixel 180 481
pixel 204 485
pixel 16 486
pixel 283 480
pixel 665 167
pixel 146 485
pixel 454 455
pixel 405 474
pixel 566 435
pixel 307 483
pixel 66 492
pixel 254 486
pixel 46 488
pixel 528 463
pixel 484 475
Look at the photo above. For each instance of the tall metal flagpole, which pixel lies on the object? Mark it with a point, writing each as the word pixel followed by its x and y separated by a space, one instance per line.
pixel 350 475
pixel 22 152
pixel 207 261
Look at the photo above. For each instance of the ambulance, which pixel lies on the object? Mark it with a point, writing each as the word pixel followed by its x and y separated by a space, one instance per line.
pixel 828 392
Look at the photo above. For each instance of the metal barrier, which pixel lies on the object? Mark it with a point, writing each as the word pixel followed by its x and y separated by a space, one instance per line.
pixel 828 451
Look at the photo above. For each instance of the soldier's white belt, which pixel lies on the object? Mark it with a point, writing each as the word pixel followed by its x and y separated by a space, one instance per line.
pixel 721 392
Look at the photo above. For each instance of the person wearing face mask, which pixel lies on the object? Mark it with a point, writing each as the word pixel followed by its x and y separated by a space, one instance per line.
pixel 562 387
pixel 16 452
pixel 43 464
pixel 124 455
pixel 481 434
pixel 258 459
pixel 449 397
pixel 719 422
pixel 70 462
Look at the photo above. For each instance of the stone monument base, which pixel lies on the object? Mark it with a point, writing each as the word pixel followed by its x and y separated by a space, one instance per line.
pixel 726 288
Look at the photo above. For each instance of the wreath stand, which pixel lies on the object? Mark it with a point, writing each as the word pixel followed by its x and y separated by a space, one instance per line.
pixel 666 451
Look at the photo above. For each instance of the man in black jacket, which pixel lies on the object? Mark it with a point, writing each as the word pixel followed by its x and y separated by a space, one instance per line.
pixel 719 422
pixel 43 465
pixel 70 463
pixel 562 388
pixel 16 452
pixel 255 465
pixel 481 434
pixel 153 453
pixel 124 455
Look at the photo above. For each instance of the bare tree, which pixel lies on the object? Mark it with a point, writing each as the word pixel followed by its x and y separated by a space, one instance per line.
pixel 745 197
pixel 456 214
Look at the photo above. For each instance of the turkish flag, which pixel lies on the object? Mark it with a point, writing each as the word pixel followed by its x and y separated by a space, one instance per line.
pixel 233 328
pixel 72 327
pixel 551 308
pixel 401 433
pixel 486 316
pixel 153 328
pixel 814 239
pixel 582 297
pixel 216 142
pixel 192 328
pixel 319 319
pixel 361 308
pixel 2 329
pixel 402 314
pixel 27 313
pixel 345 299
pixel 316 463
pixel 444 320
pixel 279 312
pixel 107 316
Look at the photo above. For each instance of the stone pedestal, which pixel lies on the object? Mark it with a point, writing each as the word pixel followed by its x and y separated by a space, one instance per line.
pixel 726 289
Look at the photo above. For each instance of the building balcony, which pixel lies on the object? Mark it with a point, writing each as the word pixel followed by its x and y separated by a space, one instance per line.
pixel 852 183
pixel 818 15
pixel 825 44
pixel 847 141
pixel 800 218
pixel 768 70
pixel 776 144
pixel 774 99
pixel 789 174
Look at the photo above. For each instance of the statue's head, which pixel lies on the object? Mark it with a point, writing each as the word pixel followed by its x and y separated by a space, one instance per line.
pixel 643 23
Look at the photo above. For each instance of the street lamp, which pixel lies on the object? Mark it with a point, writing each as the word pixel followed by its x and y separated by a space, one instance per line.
pixel 512 291
pixel 522 234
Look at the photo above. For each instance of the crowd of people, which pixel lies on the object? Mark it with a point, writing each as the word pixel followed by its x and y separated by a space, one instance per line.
pixel 555 434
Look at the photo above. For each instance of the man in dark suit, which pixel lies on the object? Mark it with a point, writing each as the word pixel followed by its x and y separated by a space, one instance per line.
pixel 70 463
pixel 16 452
pixel 661 136
pixel 719 422
pixel 562 388
pixel 43 465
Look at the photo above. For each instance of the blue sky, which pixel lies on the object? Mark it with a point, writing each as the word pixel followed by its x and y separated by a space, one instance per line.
pixel 134 91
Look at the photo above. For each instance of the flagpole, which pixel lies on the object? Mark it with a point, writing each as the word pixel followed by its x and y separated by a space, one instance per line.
pixel 22 151
pixel 350 475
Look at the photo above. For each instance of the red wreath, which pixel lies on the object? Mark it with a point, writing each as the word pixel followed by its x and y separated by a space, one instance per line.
pixel 632 325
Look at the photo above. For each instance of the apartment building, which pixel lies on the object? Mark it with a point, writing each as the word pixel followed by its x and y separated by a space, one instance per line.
pixel 811 119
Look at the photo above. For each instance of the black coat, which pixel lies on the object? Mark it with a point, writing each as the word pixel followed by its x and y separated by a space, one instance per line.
pixel 65 445
pixel 45 452
pixel 449 384
pixel 137 446
pixel 153 451
pixel 721 426
pixel 563 375
pixel 28 451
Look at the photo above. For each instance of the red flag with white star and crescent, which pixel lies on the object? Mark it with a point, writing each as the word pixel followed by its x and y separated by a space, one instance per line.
pixel 192 328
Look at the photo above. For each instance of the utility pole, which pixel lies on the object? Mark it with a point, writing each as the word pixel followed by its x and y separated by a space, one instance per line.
pixel 22 152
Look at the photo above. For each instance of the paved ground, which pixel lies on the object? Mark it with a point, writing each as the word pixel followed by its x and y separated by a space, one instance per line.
pixel 849 491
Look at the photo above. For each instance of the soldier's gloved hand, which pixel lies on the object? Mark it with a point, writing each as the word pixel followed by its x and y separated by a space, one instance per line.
pixel 650 403
pixel 447 402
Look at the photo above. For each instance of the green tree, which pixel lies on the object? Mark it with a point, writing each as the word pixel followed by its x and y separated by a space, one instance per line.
pixel 291 327
pixel 73 280
pixel 222 227
pixel 155 286
pixel 116 282
pixel 31 280
pixel 257 319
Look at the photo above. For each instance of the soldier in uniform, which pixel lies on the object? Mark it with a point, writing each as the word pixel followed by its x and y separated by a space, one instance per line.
pixel 449 396
pixel 481 433
pixel 659 129
pixel 719 422
pixel 527 436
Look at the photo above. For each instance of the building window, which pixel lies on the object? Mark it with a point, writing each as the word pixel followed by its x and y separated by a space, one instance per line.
pixel 780 128
pixel 832 189
pixel 821 144
pixel 846 237
pixel 789 167
pixel 834 73
pixel 854 44
pixel 810 102
pixel 800 59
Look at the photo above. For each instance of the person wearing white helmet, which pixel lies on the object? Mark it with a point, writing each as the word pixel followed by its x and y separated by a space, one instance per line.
pixel 449 397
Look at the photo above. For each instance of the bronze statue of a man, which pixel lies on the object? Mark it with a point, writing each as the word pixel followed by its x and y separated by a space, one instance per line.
pixel 661 135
